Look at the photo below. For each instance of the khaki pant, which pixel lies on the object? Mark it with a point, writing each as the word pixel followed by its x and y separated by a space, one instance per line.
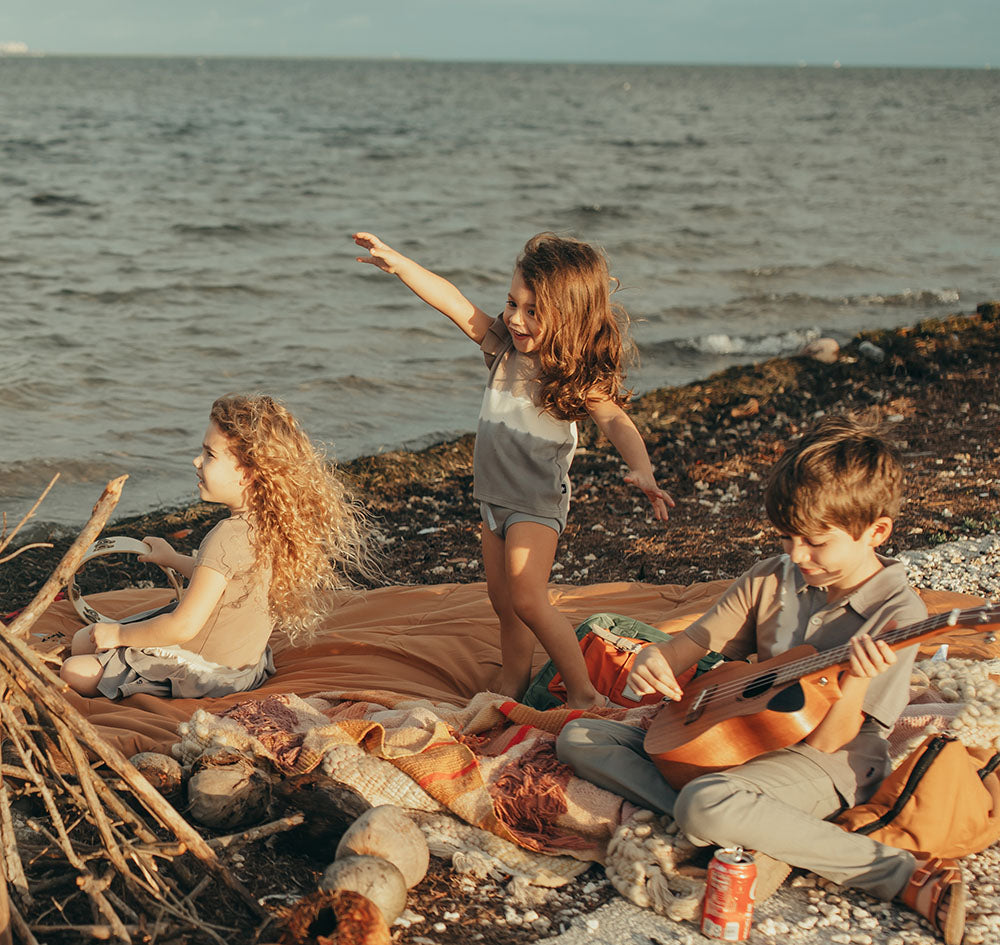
pixel 776 804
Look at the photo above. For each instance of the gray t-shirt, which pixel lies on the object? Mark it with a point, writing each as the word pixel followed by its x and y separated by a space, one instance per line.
pixel 523 454
pixel 770 609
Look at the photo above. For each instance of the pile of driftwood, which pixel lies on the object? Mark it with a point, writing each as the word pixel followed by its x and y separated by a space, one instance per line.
pixel 90 850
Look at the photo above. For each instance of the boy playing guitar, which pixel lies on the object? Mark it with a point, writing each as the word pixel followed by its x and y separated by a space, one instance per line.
pixel 833 497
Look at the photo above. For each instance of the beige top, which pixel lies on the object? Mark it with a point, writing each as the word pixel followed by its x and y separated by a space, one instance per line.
pixel 770 609
pixel 237 631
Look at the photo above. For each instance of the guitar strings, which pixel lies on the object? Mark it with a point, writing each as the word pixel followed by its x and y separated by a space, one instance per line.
pixel 839 654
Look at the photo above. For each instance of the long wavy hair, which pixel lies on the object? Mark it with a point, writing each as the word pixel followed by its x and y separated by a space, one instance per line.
pixel 304 523
pixel 584 347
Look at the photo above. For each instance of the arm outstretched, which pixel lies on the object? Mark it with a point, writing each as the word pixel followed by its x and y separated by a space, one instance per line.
pixel 437 292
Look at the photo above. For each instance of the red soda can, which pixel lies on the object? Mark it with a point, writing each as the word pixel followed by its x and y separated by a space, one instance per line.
pixel 727 909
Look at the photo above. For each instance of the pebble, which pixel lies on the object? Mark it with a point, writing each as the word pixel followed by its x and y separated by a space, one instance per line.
pixel 966 566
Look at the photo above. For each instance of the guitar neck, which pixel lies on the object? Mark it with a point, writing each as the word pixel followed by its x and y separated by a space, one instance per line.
pixel 897 638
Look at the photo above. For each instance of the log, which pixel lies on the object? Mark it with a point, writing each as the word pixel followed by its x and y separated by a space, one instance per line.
pixel 227 790
pixel 330 806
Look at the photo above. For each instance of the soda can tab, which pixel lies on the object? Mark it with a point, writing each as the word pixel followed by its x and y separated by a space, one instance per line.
pixel 727 910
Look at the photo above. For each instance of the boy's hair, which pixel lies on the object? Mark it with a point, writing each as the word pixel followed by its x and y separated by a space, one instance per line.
pixel 584 346
pixel 305 526
pixel 839 474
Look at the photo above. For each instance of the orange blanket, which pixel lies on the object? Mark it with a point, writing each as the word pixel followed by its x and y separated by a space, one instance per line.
pixel 489 761
pixel 436 642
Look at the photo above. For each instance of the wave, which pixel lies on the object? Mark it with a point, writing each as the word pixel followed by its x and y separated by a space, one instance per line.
pixel 908 297
pixel 229 230
pixel 51 199
pixel 688 141
pixel 743 346
pixel 155 293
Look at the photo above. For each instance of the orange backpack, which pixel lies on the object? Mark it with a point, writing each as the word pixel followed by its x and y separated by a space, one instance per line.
pixel 943 800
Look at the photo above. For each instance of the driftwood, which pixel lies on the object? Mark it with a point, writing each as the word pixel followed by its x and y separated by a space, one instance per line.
pixel 227 791
pixel 123 856
pixel 331 806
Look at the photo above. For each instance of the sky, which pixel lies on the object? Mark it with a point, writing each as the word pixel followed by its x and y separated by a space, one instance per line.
pixel 819 32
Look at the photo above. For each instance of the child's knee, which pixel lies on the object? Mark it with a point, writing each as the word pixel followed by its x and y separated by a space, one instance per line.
pixel 81 642
pixel 573 739
pixel 82 674
pixel 704 808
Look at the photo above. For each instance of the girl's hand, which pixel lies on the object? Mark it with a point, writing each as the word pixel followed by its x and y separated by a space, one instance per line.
pixel 105 636
pixel 160 552
pixel 869 657
pixel 652 673
pixel 379 254
pixel 659 499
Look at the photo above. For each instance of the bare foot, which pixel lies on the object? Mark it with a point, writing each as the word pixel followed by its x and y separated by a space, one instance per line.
pixel 591 700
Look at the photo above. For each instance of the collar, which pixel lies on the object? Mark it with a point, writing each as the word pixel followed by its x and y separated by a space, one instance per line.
pixel 870 596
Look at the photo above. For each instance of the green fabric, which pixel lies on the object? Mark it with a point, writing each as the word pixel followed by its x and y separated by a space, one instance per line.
pixel 537 694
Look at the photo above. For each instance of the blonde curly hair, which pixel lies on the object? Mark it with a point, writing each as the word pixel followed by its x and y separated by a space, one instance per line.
pixel 305 525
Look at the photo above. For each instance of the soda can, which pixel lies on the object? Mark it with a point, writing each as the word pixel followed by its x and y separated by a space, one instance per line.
pixel 727 909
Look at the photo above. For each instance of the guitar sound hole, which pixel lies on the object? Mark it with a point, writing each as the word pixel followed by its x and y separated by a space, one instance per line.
pixel 789 699
pixel 758 686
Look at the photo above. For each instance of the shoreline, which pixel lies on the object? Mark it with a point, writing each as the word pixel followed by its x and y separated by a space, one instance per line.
pixel 935 391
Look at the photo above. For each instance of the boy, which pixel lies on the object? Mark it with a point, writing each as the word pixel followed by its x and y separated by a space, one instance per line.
pixel 833 497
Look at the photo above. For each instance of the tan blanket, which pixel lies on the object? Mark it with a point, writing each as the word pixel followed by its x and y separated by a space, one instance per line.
pixel 436 642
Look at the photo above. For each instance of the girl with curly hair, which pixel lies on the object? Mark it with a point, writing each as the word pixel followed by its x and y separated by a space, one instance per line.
pixel 556 355
pixel 292 535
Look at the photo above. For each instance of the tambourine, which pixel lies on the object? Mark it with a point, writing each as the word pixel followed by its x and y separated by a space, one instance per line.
pixel 100 548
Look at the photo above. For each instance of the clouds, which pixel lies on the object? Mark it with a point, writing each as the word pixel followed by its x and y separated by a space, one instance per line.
pixel 890 32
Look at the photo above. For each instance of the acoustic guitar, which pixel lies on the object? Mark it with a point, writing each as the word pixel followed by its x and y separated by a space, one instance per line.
pixel 738 710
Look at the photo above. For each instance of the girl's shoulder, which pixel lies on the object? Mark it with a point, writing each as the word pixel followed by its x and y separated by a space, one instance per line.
pixel 228 541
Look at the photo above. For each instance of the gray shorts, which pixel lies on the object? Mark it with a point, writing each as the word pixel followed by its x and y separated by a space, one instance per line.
pixel 498 519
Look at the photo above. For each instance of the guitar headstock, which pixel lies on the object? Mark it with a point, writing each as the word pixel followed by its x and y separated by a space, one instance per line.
pixel 984 616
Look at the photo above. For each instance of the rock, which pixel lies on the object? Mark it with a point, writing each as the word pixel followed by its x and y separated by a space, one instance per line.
pixel 335 918
pixel 376 879
pixel 163 772
pixel 871 351
pixel 825 350
pixel 227 791
pixel 387 832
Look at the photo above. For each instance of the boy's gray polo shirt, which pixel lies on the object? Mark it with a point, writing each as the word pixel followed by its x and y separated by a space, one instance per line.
pixel 770 609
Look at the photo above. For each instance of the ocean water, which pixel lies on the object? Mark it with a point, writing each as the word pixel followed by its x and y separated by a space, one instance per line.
pixel 172 229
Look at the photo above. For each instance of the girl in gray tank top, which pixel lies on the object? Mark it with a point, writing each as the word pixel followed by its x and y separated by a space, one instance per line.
pixel 556 355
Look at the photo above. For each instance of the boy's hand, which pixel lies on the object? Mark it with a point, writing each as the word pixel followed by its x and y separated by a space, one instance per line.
pixel 659 499
pixel 160 552
pixel 105 636
pixel 869 657
pixel 652 673
pixel 379 254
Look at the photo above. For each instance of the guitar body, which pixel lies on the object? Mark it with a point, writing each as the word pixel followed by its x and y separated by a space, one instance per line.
pixel 736 712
